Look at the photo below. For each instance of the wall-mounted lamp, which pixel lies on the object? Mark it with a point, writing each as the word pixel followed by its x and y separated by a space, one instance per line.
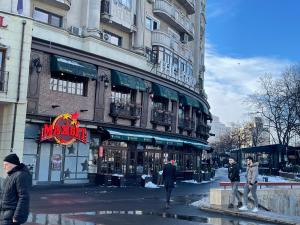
pixel 84 110
pixel 104 78
pixel 36 63
pixel 150 92
pixel 55 106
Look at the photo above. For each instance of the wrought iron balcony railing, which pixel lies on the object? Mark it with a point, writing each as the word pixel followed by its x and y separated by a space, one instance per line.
pixel 125 110
pixel 186 124
pixel 203 131
pixel 161 117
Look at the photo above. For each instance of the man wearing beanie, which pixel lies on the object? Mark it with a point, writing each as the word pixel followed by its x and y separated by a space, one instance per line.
pixel 15 192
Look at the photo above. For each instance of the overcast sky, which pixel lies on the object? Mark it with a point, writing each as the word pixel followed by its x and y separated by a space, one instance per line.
pixel 244 40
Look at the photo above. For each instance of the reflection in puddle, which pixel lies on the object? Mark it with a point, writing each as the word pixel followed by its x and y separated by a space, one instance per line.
pixel 82 218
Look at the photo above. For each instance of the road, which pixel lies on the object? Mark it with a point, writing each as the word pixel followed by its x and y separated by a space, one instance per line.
pixel 125 206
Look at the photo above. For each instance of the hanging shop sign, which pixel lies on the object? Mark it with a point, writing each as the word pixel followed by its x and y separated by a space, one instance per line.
pixel 64 130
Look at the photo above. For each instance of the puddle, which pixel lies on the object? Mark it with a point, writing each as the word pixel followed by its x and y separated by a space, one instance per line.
pixel 88 218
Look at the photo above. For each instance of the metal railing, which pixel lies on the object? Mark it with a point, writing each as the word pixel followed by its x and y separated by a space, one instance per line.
pixel 4 75
pixel 125 110
pixel 185 123
pixel 166 40
pixel 175 14
pixel 161 117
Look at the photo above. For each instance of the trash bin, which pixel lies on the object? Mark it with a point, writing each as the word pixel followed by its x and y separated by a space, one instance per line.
pixel 117 180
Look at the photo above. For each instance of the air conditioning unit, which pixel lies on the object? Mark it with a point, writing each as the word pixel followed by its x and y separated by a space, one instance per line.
pixel 75 30
pixel 184 38
pixel 106 37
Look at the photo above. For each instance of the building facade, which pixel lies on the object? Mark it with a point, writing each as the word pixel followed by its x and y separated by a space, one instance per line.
pixel 134 72
pixel 15 48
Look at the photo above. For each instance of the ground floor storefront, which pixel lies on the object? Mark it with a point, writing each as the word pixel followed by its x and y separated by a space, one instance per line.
pixel 127 155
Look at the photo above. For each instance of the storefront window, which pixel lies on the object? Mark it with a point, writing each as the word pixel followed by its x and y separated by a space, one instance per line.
pixel 114 159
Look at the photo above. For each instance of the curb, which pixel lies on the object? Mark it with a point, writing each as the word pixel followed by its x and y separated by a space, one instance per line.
pixel 248 215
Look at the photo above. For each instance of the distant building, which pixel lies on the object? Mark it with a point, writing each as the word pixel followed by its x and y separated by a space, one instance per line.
pixel 218 129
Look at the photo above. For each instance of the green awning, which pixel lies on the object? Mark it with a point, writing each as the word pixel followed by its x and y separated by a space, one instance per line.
pixel 187 100
pixel 164 92
pixel 197 145
pixel 123 135
pixel 204 108
pixel 72 66
pixel 168 141
pixel 125 80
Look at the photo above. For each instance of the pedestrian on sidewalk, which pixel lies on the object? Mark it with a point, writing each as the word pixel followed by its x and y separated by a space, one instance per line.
pixel 15 192
pixel 251 184
pixel 234 177
pixel 169 178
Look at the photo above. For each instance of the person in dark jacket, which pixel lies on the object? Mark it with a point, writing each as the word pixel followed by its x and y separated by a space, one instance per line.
pixel 169 177
pixel 234 177
pixel 15 192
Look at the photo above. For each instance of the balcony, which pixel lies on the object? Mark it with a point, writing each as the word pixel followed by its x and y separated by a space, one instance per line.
pixel 186 124
pixel 3 81
pixel 61 4
pixel 173 16
pixel 164 39
pixel 202 131
pixel 125 111
pixel 189 5
pixel 117 14
pixel 161 117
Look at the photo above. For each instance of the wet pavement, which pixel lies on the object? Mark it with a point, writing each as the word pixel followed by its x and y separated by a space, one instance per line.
pixel 127 205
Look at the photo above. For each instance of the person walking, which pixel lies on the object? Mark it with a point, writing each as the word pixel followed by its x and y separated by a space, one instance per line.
pixel 251 184
pixel 234 177
pixel 15 192
pixel 169 177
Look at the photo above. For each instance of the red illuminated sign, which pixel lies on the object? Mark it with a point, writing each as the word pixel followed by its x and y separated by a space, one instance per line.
pixel 2 22
pixel 64 130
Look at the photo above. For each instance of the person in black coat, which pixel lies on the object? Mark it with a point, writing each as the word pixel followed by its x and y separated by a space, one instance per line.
pixel 169 177
pixel 234 177
pixel 15 192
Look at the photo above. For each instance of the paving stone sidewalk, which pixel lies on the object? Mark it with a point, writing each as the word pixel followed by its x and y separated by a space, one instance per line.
pixel 263 216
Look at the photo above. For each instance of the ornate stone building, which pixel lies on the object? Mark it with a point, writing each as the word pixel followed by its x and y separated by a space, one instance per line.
pixel 134 71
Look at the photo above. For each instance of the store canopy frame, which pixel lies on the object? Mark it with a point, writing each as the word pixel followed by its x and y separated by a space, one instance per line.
pixel 125 80
pixel 60 64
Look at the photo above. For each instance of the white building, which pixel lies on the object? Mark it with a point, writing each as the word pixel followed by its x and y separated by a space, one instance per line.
pixel 218 129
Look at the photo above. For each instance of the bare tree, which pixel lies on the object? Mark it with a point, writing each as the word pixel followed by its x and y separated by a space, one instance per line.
pixel 278 104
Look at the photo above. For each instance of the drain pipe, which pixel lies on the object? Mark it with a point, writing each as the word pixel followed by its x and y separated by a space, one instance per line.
pixel 19 86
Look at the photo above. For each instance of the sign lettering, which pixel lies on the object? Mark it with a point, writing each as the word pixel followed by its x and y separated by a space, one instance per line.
pixel 64 130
